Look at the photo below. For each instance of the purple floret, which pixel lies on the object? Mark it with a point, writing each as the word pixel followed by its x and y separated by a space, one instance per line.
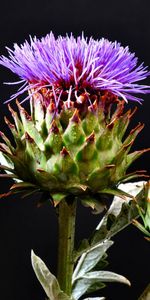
pixel 75 65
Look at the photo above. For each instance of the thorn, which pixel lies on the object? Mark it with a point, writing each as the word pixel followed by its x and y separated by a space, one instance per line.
pixel 51 108
pixel 120 108
pixel 40 170
pixel 111 124
pixel 91 138
pixel 5 195
pixel 2 134
pixel 27 116
pixel 139 173
pixel 93 107
pixel 2 149
pixel 54 127
pixel 131 113
pixel 139 127
pixel 82 98
pixel 19 105
pixel 11 110
pixel 9 124
pixel 64 152
pixel 125 147
pixel 144 150
pixel 29 138
pixel 67 105
pixel 110 166
pixel 75 118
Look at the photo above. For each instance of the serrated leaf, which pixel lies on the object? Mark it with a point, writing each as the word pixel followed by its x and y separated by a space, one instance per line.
pixel 47 280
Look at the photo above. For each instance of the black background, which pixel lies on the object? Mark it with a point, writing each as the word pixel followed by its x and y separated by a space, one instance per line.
pixel 22 225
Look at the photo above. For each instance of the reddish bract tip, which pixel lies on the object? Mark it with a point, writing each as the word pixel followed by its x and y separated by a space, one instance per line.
pixel 64 152
pixel 91 138
pixel 51 108
pixel 138 128
pixel 28 137
pixel 131 113
pixel 54 127
pixel 10 125
pixel 75 118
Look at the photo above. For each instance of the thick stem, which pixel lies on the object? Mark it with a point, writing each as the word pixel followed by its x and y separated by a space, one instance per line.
pixel 66 223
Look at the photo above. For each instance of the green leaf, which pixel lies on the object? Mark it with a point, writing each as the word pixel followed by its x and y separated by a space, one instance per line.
pixel 47 280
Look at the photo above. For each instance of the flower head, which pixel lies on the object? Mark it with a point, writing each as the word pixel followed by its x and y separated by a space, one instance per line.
pixel 68 67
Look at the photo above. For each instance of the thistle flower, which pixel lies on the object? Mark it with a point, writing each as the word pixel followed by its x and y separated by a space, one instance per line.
pixel 67 67
pixel 73 141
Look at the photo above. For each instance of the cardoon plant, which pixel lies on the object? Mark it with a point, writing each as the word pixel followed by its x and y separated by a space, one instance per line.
pixel 72 147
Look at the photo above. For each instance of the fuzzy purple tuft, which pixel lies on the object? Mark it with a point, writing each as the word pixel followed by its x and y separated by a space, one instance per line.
pixel 76 65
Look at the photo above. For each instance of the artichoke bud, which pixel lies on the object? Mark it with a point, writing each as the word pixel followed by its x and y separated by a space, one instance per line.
pixel 63 150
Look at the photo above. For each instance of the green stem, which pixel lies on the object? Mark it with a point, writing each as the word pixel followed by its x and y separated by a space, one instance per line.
pixel 66 223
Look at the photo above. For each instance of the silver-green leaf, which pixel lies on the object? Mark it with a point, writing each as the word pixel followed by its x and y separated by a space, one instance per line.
pixel 95 279
pixel 121 212
pixel 90 258
pixel 47 279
